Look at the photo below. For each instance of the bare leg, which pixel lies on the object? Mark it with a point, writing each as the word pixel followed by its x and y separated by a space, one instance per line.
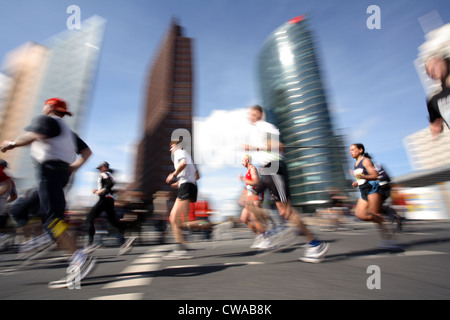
pixel 289 213
pixel 181 207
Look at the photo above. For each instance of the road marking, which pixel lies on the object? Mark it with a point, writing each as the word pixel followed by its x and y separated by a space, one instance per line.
pixel 405 254
pixel 246 263
pixel 135 274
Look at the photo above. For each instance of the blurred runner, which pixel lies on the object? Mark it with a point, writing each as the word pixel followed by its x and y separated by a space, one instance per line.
pixel 266 147
pixel 54 148
pixel 8 194
pixel 368 207
pixel 187 175
pixel 438 68
pixel 105 204
pixel 249 198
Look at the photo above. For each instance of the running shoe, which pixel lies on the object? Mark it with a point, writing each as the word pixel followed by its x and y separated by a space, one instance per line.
pixel 75 273
pixel 91 248
pixel 36 247
pixel 258 239
pixel 178 255
pixel 127 246
pixel 6 241
pixel 315 254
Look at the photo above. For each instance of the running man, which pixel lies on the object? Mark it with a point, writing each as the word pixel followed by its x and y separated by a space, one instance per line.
pixel 55 147
pixel 265 144
pixel 187 175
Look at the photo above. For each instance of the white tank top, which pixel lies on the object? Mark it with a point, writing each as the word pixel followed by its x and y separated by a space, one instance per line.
pixel 62 147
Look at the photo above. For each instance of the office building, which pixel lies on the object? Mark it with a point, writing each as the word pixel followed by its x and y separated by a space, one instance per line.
pixel 295 101
pixel 168 107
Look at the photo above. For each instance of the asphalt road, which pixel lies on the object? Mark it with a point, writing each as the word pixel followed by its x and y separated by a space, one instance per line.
pixel 227 269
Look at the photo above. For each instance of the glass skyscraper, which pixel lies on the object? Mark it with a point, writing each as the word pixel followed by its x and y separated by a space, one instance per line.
pixel 294 100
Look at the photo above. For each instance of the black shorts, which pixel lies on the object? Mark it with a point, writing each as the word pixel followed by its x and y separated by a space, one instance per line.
pixel 187 191
pixel 277 184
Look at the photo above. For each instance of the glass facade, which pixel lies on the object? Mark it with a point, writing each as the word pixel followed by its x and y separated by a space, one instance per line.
pixel 294 100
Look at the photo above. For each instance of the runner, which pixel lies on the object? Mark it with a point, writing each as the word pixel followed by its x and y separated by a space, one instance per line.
pixel 105 204
pixel 187 175
pixel 8 194
pixel 438 68
pixel 54 148
pixel 265 143
pixel 249 198
pixel 368 207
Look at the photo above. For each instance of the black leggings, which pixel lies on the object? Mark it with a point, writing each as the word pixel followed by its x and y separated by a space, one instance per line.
pixel 104 204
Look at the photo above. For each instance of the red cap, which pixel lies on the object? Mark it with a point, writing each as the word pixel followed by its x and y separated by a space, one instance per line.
pixel 59 105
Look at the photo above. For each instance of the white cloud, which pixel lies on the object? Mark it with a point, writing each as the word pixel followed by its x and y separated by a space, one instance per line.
pixel 218 154
pixel 218 138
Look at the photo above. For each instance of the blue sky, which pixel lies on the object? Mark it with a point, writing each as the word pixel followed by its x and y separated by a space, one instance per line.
pixel 374 92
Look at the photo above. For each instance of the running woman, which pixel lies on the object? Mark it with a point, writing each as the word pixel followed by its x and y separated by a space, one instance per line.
pixel 186 173
pixel 368 207
pixel 105 203
pixel 265 144
pixel 249 198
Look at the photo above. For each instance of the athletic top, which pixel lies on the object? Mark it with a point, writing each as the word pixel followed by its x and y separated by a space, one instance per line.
pixel 106 180
pixel 383 176
pixel 251 189
pixel 188 174
pixel 61 144
pixel 439 106
pixel 358 169
pixel 260 133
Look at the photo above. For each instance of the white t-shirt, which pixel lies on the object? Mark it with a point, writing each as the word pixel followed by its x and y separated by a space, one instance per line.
pixel 260 132
pixel 188 174
pixel 61 147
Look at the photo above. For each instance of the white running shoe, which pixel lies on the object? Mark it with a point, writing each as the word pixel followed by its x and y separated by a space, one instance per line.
pixel 76 272
pixel 91 248
pixel 178 255
pixel 315 254
pixel 127 246
pixel 258 239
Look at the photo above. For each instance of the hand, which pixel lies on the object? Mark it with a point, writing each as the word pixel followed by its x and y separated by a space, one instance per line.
pixel 7 145
pixel 170 178
pixel 359 176
pixel 436 128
